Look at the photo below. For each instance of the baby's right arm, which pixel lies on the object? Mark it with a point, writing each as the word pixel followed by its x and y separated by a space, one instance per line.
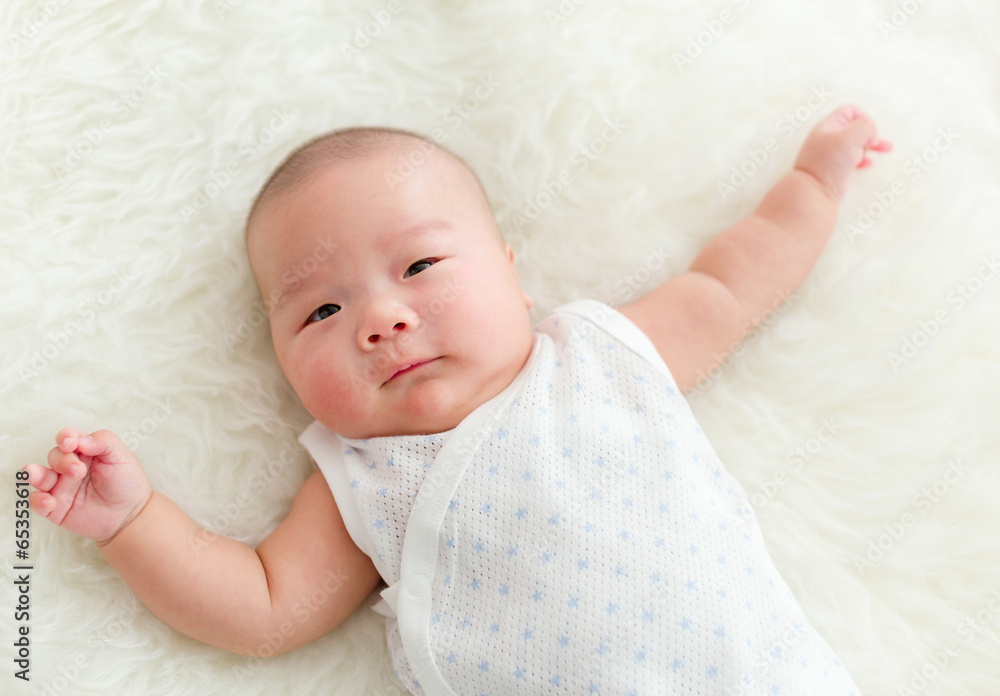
pixel 301 582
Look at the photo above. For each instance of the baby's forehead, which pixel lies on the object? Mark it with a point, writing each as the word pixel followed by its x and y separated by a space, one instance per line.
pixel 378 174
pixel 399 165
pixel 402 156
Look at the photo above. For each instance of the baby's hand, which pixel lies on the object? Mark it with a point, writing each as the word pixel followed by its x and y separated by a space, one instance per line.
pixel 837 146
pixel 94 485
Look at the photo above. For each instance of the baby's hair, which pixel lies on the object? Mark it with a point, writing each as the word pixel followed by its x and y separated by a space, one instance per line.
pixel 335 147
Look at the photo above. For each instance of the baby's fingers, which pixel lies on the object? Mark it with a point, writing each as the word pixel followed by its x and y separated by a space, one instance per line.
pixel 66 463
pixel 100 444
pixel 876 144
pixel 41 477
pixel 41 502
pixel 44 480
pixel 879 145
pixel 76 440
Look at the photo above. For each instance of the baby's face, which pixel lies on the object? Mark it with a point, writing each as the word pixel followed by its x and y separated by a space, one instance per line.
pixel 393 311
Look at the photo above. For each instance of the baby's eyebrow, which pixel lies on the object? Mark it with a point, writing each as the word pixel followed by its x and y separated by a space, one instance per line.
pixel 300 282
pixel 434 225
pixel 292 289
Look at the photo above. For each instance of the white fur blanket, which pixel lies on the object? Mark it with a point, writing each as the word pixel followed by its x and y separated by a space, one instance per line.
pixel 615 139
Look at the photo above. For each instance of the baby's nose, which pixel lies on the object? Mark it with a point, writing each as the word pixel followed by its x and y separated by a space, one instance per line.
pixel 398 326
pixel 386 319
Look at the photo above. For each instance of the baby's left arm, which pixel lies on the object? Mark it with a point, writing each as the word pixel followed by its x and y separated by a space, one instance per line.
pixel 699 317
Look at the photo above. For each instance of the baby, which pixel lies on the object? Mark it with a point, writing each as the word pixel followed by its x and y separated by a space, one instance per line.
pixel 540 504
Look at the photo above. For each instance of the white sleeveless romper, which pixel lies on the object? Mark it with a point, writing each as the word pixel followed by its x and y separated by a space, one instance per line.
pixel 576 534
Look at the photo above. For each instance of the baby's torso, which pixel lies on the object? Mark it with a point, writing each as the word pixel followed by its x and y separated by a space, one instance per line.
pixel 578 534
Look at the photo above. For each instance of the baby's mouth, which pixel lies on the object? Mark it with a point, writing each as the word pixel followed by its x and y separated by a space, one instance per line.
pixel 405 368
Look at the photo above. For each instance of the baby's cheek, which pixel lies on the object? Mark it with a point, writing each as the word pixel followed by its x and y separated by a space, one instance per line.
pixel 307 380
pixel 458 289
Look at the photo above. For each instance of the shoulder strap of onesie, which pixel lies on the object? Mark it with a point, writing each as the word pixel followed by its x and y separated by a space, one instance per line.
pixel 327 450
pixel 619 327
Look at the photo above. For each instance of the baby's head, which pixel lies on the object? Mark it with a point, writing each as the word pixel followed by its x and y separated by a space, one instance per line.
pixel 393 301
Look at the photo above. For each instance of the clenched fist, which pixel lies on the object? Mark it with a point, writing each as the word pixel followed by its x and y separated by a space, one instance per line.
pixel 93 486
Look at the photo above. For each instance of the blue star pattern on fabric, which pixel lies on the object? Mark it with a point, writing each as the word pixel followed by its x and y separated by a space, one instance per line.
pixel 594 543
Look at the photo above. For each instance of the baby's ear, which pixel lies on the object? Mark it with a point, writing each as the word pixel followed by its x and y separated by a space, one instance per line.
pixel 528 302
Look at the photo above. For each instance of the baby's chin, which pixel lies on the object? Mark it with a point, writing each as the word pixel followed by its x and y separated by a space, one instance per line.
pixel 429 412
pixel 430 409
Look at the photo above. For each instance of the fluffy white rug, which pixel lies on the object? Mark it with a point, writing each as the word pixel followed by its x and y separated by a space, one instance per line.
pixel 862 420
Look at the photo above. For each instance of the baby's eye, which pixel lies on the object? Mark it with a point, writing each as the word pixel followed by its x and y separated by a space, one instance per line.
pixel 323 312
pixel 421 265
